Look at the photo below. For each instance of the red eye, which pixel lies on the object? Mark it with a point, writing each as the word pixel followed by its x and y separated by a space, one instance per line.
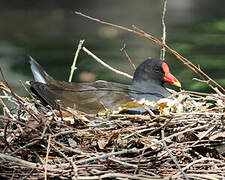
pixel 156 69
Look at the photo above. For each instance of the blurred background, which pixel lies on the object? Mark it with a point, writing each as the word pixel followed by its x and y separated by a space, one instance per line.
pixel 50 31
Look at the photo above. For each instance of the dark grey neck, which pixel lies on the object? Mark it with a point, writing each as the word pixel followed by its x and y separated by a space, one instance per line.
pixel 150 91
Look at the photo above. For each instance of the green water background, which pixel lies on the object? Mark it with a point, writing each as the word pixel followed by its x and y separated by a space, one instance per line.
pixel 49 31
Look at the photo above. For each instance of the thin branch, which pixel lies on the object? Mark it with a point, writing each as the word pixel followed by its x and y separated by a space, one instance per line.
pixel 124 176
pixel 29 164
pixel 19 161
pixel 123 163
pixel 163 50
pixel 128 57
pixel 106 65
pixel 73 67
pixel 198 161
pixel 46 158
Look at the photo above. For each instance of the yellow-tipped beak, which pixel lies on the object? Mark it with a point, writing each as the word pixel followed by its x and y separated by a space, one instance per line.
pixel 172 80
pixel 177 84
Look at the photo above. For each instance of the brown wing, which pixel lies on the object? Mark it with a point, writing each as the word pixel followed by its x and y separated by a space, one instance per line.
pixel 87 97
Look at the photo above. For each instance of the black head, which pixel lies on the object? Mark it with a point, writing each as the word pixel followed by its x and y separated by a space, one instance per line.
pixel 150 70
pixel 154 71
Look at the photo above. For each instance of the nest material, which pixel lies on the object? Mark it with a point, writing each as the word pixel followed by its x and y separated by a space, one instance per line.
pixel 180 140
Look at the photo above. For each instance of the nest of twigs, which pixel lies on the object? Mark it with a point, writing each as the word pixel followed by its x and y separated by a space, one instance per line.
pixel 180 143
pixel 181 139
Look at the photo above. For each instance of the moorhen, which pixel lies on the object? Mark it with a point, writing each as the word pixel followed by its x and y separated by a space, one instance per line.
pixel 93 97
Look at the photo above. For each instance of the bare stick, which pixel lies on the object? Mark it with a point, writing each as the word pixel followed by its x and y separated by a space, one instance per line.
pixel 123 176
pixel 198 161
pixel 163 50
pixel 128 57
pixel 202 176
pixel 106 65
pixel 123 163
pixel 28 164
pixel 19 161
pixel 73 67
pixel 46 158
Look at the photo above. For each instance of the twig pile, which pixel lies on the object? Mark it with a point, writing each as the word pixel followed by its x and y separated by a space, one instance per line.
pixel 38 142
pixel 182 139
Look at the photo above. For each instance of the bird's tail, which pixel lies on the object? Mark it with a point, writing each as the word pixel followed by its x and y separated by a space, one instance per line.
pixel 40 75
